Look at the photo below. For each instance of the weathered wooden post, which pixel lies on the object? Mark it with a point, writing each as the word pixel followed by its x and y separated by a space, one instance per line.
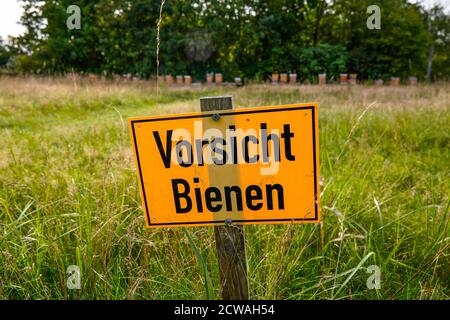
pixel 230 238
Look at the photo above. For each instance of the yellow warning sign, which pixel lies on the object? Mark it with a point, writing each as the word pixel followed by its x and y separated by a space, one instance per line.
pixel 250 165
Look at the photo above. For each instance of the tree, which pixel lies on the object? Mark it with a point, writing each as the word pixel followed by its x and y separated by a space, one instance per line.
pixel 4 54
pixel 439 49
pixel 399 48
pixel 246 38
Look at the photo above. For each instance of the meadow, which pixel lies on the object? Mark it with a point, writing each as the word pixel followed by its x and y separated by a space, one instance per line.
pixel 69 196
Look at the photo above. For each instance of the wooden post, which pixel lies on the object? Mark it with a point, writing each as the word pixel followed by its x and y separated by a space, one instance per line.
pixel 230 238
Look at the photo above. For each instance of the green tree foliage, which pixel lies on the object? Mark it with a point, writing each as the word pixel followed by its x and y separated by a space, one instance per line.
pixel 439 51
pixel 247 38
pixel 4 54
pixel 399 48
pixel 325 58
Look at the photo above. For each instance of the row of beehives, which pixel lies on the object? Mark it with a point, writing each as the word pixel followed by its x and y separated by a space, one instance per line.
pixel 282 78
pixel 344 78
pixel 211 78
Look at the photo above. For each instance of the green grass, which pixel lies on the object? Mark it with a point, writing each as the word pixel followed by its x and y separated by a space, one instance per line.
pixel 69 196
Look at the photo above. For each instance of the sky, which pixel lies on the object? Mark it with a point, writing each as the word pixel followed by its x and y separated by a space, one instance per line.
pixel 11 10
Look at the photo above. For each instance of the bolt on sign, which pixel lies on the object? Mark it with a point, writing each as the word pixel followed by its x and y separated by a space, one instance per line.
pixel 246 166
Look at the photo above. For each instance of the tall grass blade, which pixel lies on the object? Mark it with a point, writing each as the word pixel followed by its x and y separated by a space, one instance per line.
pixel 354 271
pixel 209 291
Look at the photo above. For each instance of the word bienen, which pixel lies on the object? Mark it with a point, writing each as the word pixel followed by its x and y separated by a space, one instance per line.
pixel 217 200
